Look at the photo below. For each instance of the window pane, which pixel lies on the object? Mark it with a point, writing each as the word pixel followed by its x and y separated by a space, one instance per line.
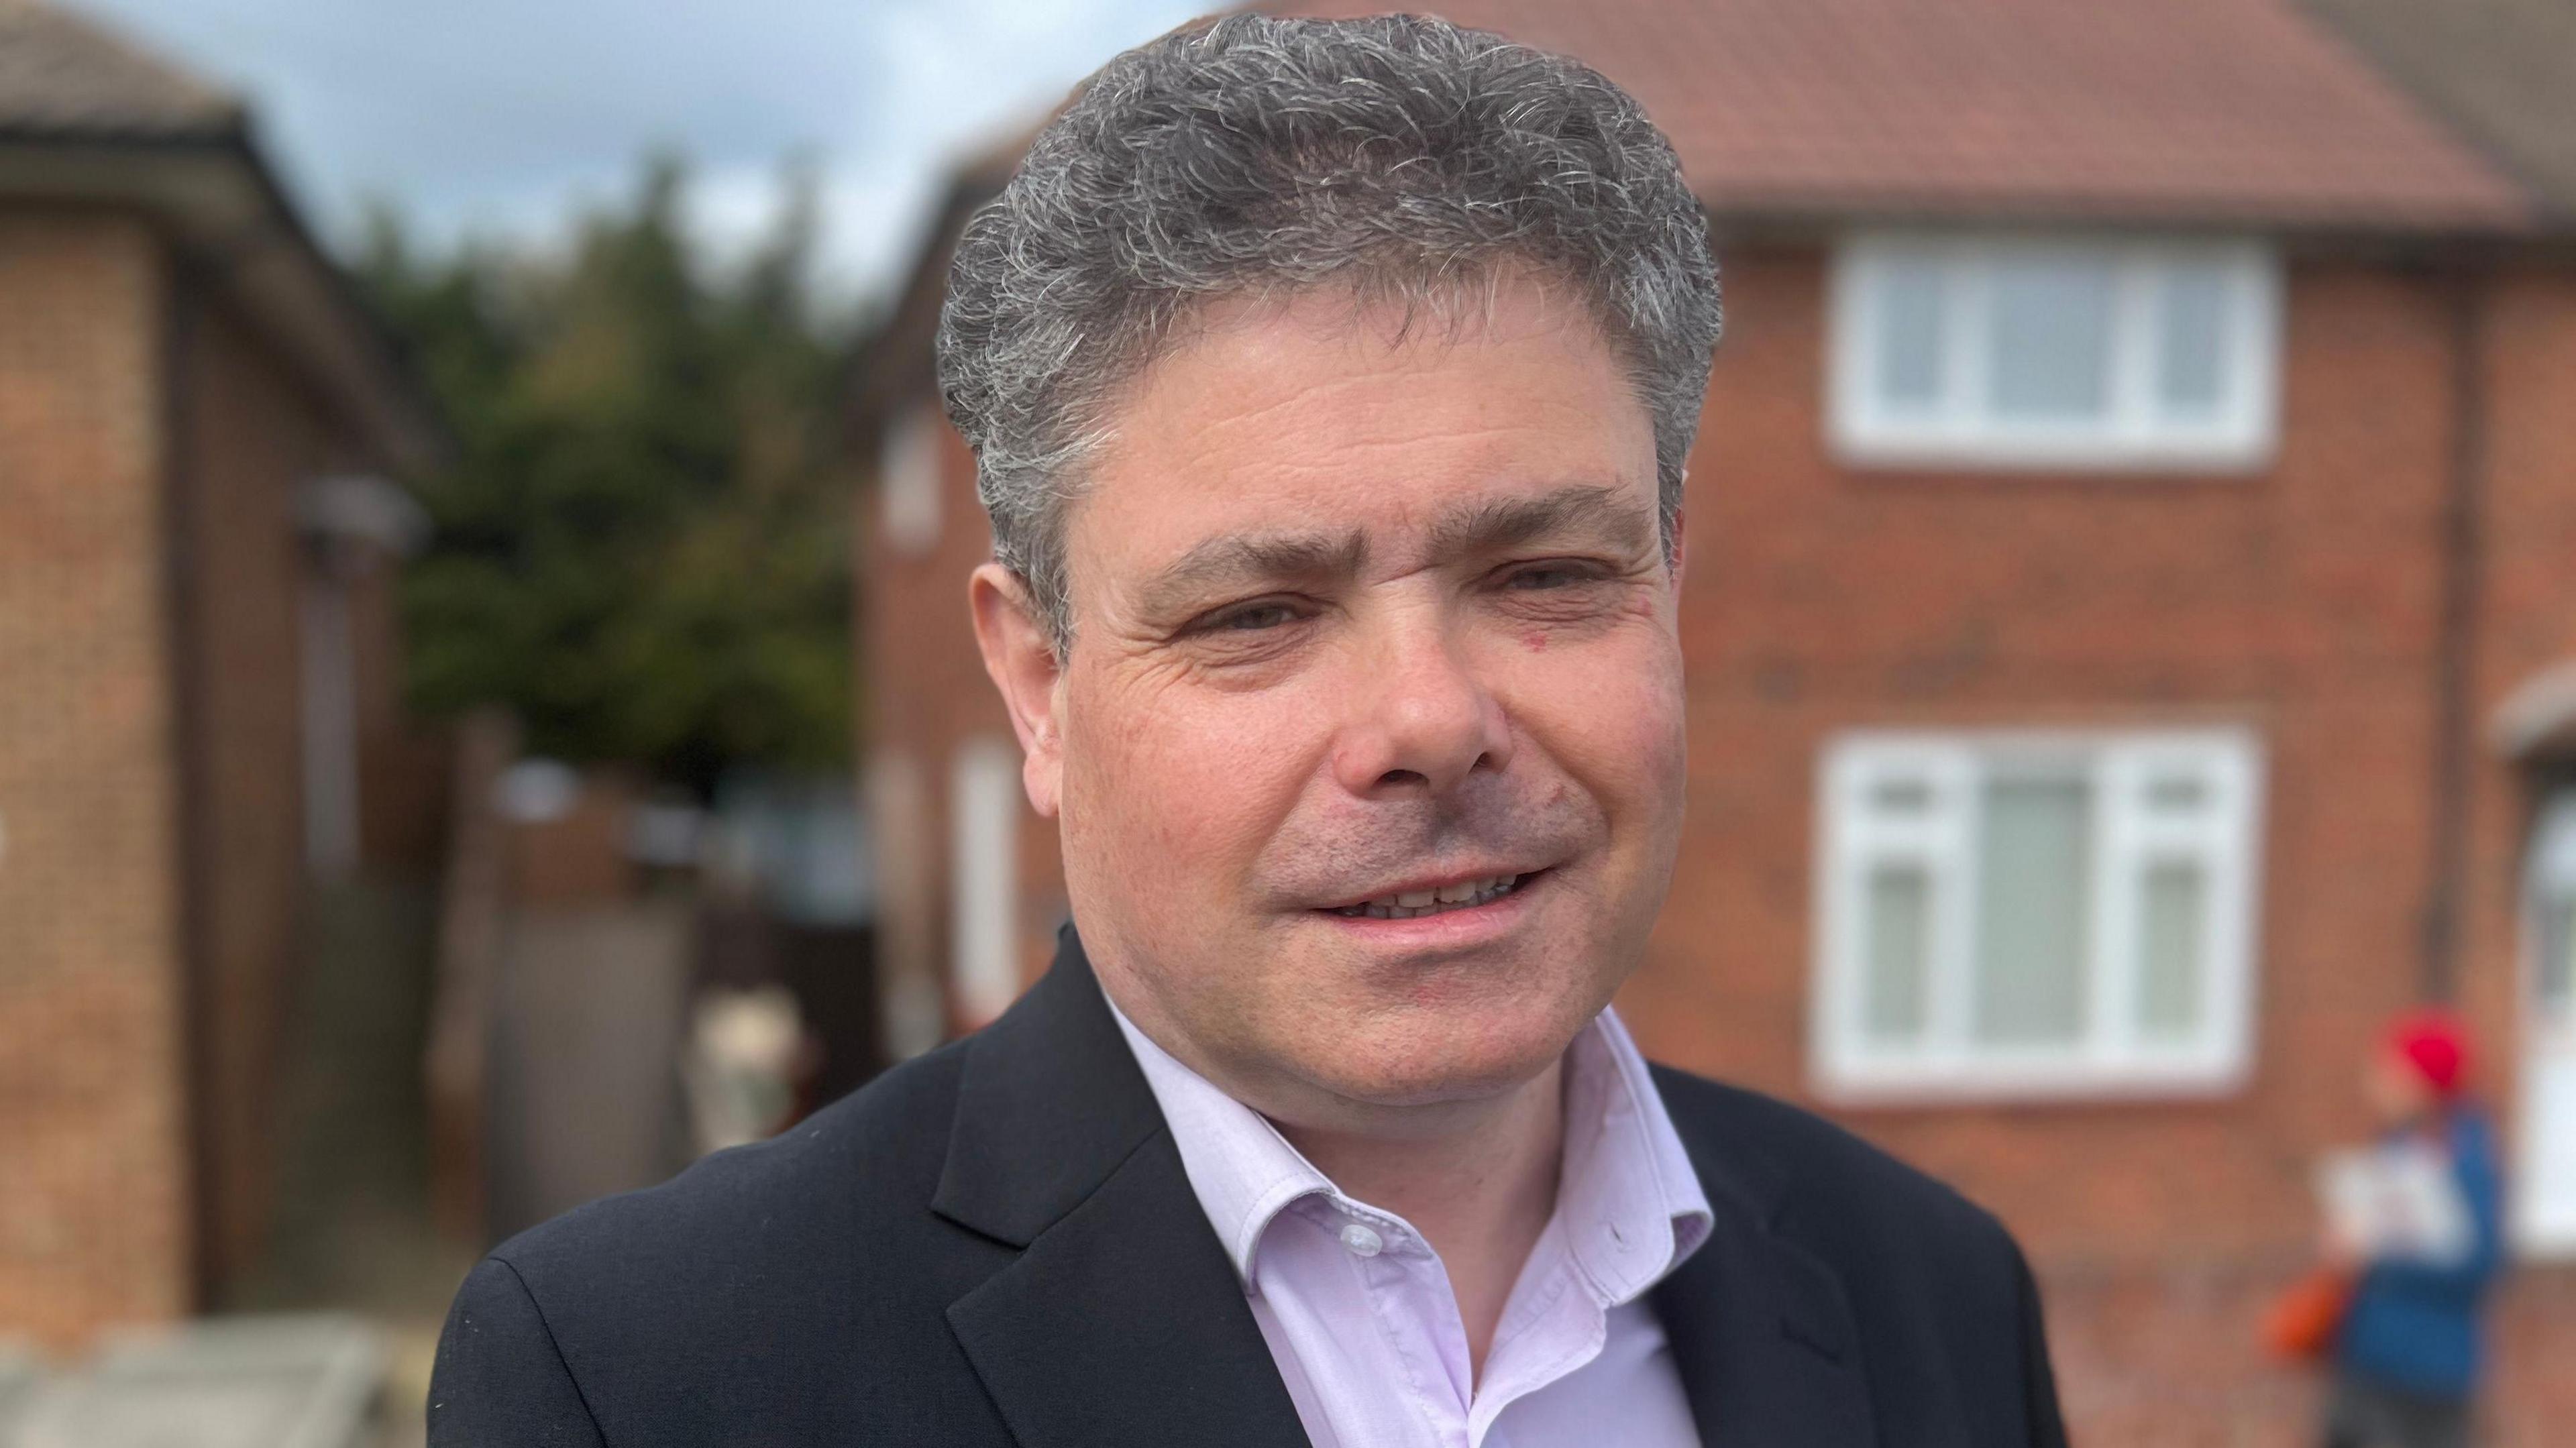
pixel 2030 984
pixel 1909 335
pixel 2191 335
pixel 910 481
pixel 1894 999
pixel 2171 911
pixel 2554 986
pixel 2051 338
pixel 2177 794
pixel 1900 796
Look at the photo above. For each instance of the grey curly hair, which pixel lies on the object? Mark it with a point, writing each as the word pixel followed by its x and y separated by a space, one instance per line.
pixel 1405 158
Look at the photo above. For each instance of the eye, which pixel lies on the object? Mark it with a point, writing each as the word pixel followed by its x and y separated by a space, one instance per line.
pixel 1550 575
pixel 1257 617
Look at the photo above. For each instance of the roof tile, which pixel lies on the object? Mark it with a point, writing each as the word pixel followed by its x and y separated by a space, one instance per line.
pixel 2176 111
pixel 62 76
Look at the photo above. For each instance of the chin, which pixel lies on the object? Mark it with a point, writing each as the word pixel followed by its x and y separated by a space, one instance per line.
pixel 1457 1054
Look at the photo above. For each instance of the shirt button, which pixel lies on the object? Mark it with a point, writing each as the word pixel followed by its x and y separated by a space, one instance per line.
pixel 1362 1241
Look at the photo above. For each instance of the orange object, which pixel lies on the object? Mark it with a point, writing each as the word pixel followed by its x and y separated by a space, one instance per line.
pixel 2301 1323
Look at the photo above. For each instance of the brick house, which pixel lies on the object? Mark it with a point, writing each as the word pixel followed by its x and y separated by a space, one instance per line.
pixel 197 656
pixel 2131 643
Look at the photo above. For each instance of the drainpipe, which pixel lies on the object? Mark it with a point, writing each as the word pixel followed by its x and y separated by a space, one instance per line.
pixel 2462 545
pixel 192 840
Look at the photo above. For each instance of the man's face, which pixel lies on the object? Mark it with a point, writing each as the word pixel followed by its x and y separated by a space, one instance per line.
pixel 1368 748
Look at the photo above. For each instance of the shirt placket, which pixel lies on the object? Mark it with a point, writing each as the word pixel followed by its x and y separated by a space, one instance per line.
pixel 1408 1295
pixel 1554 1333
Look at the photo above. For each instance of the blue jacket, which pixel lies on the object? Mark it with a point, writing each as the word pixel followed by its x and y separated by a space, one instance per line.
pixel 2414 1326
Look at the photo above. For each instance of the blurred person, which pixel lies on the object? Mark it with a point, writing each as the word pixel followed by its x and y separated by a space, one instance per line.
pixel 2407 1352
pixel 1330 385
pixel 747 1066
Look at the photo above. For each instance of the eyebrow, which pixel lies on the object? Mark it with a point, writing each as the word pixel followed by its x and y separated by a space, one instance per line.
pixel 1595 514
pixel 1238 558
pixel 1591 513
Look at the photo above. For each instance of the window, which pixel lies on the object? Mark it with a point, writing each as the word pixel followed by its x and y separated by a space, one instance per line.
pixel 984 835
pixel 909 482
pixel 912 1012
pixel 2034 913
pixel 2039 352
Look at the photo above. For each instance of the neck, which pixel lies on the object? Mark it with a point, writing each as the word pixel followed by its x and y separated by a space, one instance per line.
pixel 1480 1192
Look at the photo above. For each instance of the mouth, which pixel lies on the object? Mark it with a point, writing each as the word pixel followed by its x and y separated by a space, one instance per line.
pixel 1435 899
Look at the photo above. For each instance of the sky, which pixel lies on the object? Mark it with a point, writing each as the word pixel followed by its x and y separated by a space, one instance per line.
pixel 509 118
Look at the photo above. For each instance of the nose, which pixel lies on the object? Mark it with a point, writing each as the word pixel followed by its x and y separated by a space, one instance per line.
pixel 1421 718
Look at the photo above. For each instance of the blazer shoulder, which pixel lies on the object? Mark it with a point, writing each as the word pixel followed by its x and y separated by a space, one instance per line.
pixel 789 1291
pixel 1939 1291
pixel 1820 1175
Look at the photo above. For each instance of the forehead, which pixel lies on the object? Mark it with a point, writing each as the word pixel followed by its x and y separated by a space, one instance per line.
pixel 1316 411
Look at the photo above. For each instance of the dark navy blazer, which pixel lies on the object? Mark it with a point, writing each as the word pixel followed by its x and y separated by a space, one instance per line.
pixel 994 1246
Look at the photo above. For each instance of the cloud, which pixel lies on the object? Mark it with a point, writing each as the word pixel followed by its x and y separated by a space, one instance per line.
pixel 510 117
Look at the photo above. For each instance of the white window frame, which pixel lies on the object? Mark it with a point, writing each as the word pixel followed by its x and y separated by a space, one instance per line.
pixel 1957 430
pixel 2112 1057
pixel 984 876
pixel 910 481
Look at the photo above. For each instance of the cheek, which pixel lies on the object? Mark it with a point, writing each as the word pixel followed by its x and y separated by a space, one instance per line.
pixel 1182 784
pixel 1613 719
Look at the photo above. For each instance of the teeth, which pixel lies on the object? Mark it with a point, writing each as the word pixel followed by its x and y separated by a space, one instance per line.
pixel 1405 905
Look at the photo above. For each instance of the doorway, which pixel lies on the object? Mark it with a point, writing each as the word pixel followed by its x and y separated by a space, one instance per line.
pixel 2545 1178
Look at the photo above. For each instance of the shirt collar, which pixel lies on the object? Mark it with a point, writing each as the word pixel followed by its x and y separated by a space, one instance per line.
pixel 1628 1201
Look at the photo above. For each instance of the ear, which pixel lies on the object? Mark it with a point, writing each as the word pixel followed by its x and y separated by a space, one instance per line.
pixel 1024 668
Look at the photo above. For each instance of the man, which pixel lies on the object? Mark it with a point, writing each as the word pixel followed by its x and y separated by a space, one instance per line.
pixel 1330 385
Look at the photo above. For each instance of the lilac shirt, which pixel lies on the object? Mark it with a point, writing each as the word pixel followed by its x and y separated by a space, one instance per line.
pixel 1357 1307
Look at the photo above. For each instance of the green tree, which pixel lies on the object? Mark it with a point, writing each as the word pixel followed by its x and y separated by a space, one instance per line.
pixel 641 546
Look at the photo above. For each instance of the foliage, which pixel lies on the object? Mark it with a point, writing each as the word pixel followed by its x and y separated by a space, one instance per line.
pixel 641 544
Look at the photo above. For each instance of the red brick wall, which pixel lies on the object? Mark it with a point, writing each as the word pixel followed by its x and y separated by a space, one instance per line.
pixel 94 1217
pixel 251 436
pixel 928 691
pixel 2526 622
pixel 151 832
pixel 2300 602
pixel 404 764
pixel 2527 617
pixel 578 859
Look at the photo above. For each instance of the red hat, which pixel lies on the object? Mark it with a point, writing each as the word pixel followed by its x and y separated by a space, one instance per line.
pixel 2436 1045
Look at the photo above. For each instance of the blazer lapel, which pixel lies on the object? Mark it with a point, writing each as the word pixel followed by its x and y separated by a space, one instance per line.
pixel 1759 1326
pixel 1121 1321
